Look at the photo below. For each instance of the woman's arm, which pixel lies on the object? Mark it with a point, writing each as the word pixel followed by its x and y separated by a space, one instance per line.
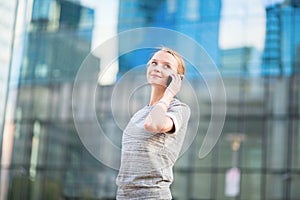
pixel 157 120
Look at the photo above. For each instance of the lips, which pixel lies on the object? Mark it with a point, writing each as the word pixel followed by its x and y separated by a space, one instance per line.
pixel 155 76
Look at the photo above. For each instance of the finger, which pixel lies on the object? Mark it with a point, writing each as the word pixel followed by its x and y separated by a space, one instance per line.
pixel 177 79
pixel 173 78
pixel 180 78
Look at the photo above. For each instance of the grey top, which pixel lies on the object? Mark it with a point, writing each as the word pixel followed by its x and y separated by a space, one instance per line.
pixel 148 158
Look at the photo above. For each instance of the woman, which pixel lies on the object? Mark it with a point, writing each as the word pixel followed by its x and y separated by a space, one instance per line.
pixel 153 138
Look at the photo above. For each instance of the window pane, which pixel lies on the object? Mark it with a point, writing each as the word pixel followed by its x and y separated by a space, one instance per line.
pixel 201 186
pixel 197 143
pixel 220 187
pixel 250 186
pixel 274 186
pixel 180 185
pixel 295 191
pixel 233 96
pixel 225 152
pixel 296 145
pixel 277 138
pixel 252 145
pixel 254 96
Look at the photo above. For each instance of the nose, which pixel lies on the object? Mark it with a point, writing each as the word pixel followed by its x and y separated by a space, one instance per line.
pixel 157 68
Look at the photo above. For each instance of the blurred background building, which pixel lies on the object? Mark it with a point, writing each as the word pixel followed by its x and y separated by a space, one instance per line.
pixel 256 49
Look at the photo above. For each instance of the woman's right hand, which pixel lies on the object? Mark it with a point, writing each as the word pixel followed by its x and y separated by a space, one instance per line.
pixel 174 86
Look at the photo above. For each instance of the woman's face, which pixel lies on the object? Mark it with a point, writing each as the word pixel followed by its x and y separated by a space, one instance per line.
pixel 160 66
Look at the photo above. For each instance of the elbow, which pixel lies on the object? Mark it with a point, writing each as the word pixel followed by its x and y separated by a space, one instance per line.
pixel 153 128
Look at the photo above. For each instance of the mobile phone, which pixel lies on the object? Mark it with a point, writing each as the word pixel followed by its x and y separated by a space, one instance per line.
pixel 169 80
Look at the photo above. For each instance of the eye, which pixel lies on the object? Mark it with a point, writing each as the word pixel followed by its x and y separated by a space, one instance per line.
pixel 153 63
pixel 167 67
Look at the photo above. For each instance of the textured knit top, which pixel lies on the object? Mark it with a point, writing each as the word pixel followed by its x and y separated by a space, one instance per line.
pixel 148 158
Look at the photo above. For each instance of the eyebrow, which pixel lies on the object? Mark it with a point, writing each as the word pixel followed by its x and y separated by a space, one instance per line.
pixel 153 59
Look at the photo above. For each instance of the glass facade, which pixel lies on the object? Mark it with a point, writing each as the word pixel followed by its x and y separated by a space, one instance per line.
pixel 44 44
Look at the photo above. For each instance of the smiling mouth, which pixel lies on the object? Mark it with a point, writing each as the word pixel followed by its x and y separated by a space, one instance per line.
pixel 155 76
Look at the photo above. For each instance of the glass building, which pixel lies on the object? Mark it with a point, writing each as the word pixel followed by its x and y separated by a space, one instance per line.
pixel 45 148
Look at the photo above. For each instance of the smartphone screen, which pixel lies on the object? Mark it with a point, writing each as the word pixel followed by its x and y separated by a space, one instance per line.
pixel 169 80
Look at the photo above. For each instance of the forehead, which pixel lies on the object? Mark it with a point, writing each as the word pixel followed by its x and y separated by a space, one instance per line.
pixel 164 56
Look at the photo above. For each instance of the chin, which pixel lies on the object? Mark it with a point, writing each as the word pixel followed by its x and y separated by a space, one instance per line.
pixel 156 82
pixel 160 85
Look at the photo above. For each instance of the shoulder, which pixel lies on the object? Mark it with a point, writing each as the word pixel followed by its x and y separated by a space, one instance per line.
pixel 177 103
pixel 179 106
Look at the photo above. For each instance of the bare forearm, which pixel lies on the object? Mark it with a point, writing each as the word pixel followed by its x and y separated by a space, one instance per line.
pixel 157 121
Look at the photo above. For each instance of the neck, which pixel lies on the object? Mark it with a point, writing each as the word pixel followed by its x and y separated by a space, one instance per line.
pixel 156 94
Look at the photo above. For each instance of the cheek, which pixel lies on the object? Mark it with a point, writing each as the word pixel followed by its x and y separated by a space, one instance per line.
pixel 161 81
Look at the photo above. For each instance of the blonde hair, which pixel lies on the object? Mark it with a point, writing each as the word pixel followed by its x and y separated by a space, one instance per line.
pixel 181 65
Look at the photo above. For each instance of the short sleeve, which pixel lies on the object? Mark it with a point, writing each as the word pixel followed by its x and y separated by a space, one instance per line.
pixel 179 113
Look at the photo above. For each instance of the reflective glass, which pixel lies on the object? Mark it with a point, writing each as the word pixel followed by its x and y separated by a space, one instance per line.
pixel 274 186
pixel 251 186
pixel 295 193
pixel 201 189
pixel 277 143
pixel 255 46
pixel 296 145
